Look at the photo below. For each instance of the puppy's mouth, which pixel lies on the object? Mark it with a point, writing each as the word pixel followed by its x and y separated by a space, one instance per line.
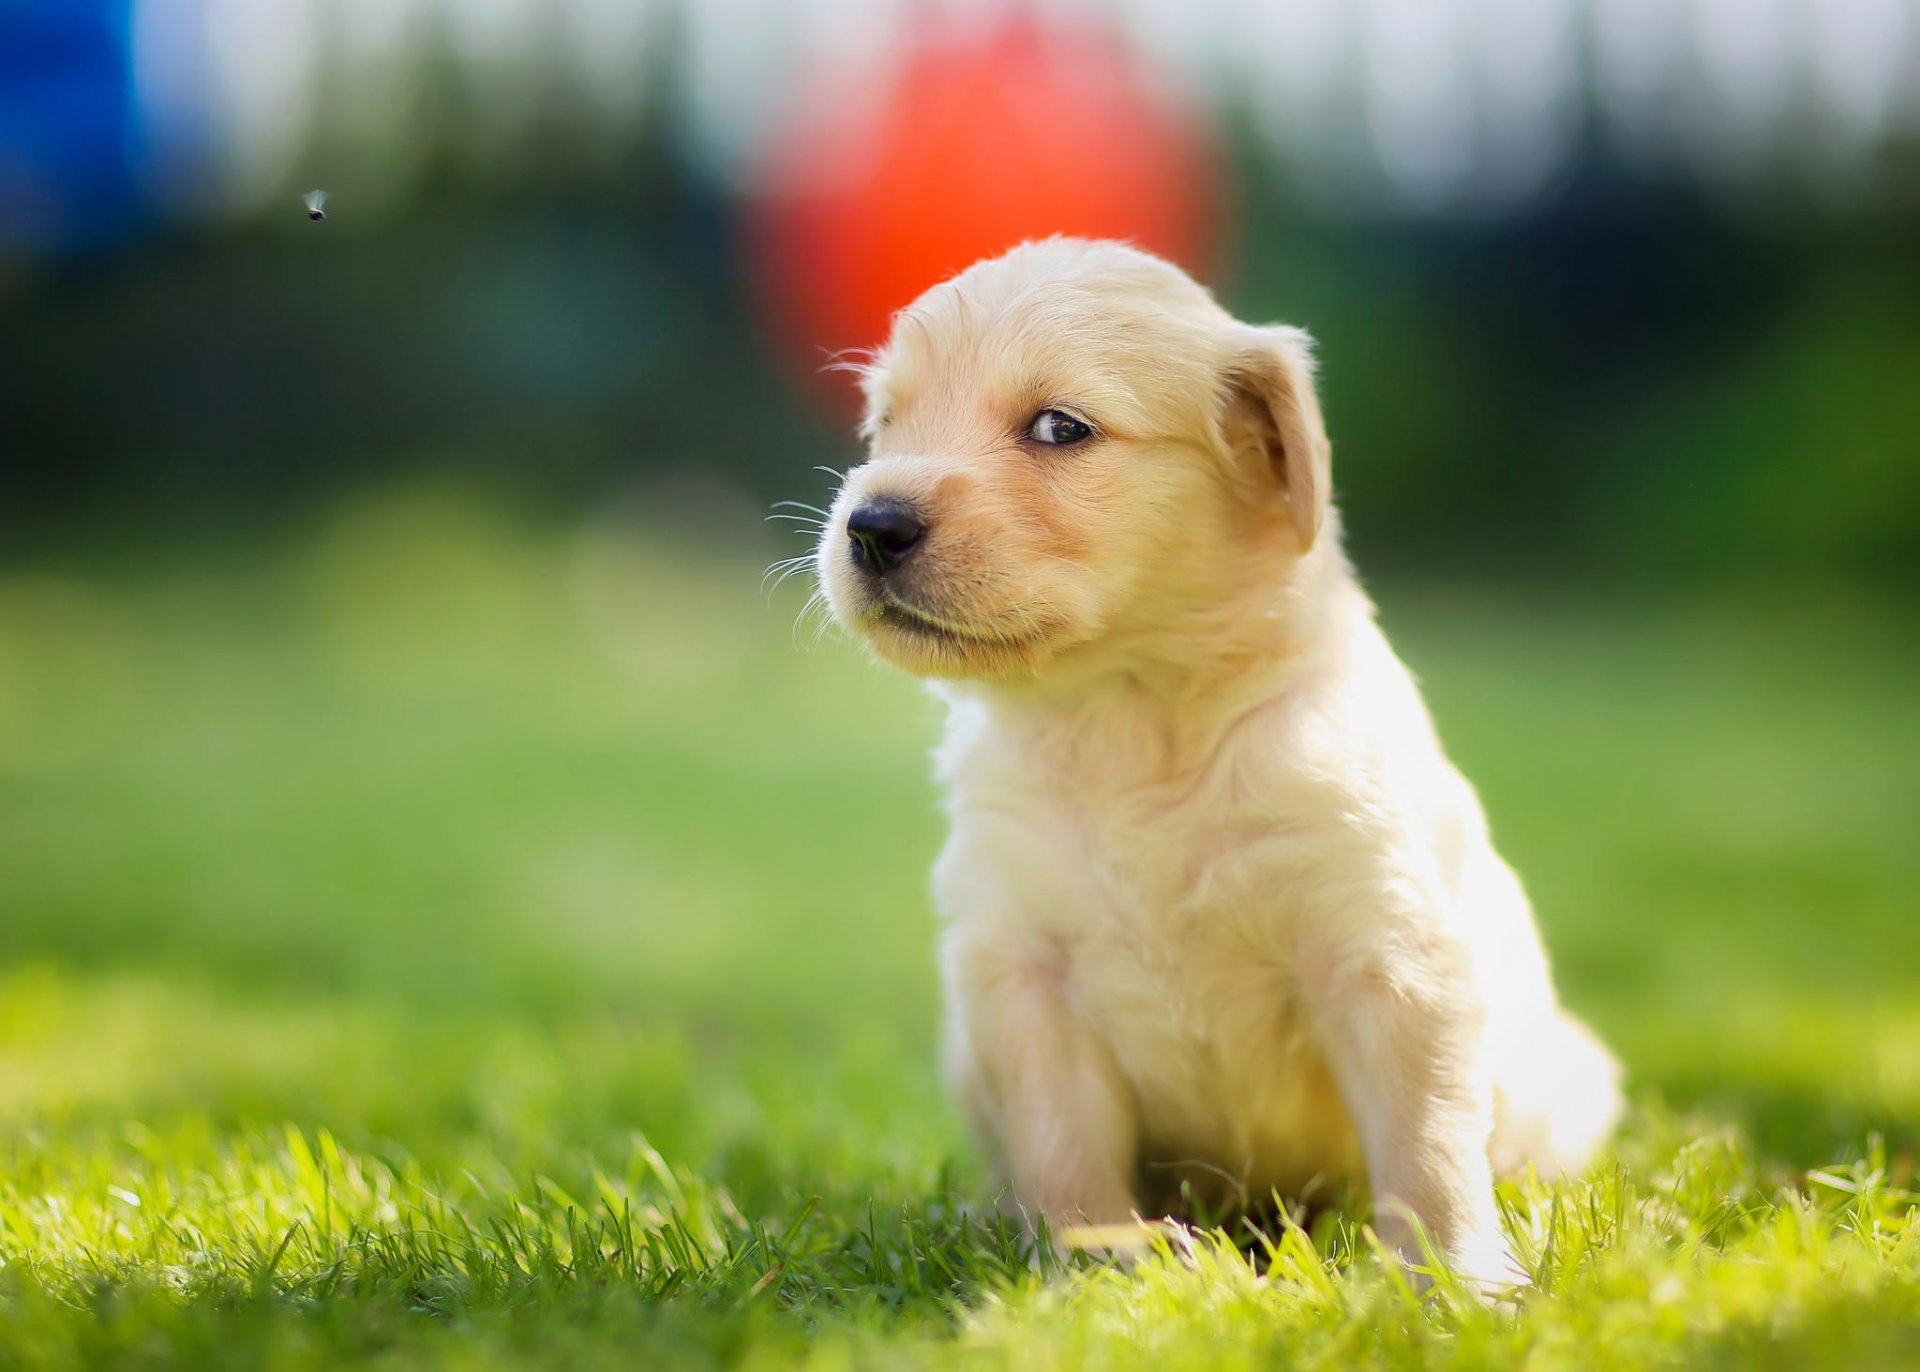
pixel 897 613
pixel 917 622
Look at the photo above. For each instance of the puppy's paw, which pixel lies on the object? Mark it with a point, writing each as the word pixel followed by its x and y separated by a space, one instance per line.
pixel 1478 1257
pixel 1485 1264
pixel 1121 1244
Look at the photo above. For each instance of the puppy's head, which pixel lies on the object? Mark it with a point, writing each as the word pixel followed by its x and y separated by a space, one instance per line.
pixel 1073 451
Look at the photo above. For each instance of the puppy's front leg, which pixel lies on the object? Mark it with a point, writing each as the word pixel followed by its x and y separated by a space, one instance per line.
pixel 1039 1082
pixel 1402 1031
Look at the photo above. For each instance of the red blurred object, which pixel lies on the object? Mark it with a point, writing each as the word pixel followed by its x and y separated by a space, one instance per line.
pixel 881 182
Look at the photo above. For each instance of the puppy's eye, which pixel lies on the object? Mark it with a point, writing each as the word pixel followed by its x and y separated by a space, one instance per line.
pixel 1058 428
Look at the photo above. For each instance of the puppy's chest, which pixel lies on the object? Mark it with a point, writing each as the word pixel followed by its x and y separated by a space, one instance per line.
pixel 1182 961
pixel 1181 936
pixel 1173 920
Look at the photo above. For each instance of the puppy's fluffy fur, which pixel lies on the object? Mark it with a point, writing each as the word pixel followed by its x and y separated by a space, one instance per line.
pixel 1218 909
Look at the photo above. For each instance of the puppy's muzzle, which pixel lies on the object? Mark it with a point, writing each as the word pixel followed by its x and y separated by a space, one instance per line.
pixel 882 534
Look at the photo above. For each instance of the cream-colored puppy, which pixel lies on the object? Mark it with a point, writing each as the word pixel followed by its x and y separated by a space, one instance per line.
pixel 1218 909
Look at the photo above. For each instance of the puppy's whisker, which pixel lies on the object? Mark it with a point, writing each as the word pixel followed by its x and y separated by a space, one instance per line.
pixel 823 618
pixel 778 574
pixel 816 605
pixel 859 361
pixel 799 505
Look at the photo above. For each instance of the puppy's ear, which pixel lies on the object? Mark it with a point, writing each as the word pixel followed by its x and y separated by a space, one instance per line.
pixel 1273 417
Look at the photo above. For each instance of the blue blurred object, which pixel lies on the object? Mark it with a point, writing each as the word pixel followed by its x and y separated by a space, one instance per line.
pixel 69 125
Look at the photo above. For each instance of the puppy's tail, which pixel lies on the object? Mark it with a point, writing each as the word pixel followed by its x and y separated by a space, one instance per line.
pixel 1556 1101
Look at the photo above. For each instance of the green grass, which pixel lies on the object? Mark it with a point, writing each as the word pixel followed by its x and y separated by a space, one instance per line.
pixel 424 940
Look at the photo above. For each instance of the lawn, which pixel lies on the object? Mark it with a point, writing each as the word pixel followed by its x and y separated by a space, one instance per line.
pixel 426 939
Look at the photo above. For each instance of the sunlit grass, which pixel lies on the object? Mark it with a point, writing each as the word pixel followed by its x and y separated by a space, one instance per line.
pixel 429 939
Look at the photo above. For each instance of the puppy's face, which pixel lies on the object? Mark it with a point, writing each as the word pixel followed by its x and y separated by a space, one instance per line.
pixel 1073 452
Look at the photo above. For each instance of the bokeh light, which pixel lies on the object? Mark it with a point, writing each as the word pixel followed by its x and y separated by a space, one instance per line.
pixel 892 171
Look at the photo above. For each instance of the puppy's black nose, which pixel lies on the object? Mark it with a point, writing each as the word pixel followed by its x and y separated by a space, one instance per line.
pixel 881 533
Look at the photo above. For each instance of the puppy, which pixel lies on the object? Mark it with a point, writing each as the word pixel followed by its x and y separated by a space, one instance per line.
pixel 1217 907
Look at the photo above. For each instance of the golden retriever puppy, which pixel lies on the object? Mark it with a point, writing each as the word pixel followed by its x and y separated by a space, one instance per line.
pixel 1217 907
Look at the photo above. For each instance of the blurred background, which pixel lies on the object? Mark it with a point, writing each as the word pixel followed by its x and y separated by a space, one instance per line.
pixel 382 637
pixel 1612 288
